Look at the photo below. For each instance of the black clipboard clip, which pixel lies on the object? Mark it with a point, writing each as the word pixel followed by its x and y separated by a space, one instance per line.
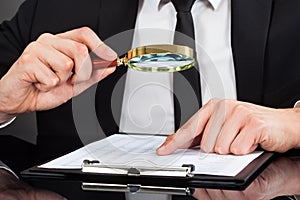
pixel 95 167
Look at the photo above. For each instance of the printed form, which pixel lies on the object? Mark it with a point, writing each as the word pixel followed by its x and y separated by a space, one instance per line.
pixel 137 151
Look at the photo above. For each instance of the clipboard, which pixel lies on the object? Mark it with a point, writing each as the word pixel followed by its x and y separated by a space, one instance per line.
pixel 95 176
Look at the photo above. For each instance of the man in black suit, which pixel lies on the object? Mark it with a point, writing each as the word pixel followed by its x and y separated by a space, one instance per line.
pixel 265 47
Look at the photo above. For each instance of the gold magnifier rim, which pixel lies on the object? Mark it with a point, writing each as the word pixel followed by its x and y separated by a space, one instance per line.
pixel 159 49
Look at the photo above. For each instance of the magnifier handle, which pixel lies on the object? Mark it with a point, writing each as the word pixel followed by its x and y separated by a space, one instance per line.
pixel 100 64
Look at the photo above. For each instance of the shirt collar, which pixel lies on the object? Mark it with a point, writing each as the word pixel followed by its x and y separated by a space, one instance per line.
pixel 214 3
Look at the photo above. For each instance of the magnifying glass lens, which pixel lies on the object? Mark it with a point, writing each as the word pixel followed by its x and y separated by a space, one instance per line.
pixel 161 62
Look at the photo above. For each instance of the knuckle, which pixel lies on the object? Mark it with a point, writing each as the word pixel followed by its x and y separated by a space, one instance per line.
pixel 235 150
pixel 53 82
pixel 210 102
pixel 26 59
pixel 81 49
pixel 240 110
pixel 45 36
pixel 84 31
pixel 220 103
pixel 68 64
pixel 33 46
pixel 253 120
pixel 213 101
pixel 225 103
pixel 230 102
pixel 221 150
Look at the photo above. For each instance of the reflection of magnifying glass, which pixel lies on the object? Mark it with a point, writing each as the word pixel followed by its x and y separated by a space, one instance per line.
pixel 153 58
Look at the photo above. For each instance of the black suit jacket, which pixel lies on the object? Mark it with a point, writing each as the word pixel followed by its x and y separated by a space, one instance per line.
pixel 265 43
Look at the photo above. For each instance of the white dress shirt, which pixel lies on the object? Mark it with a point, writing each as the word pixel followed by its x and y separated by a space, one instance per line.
pixel 5 124
pixel 148 98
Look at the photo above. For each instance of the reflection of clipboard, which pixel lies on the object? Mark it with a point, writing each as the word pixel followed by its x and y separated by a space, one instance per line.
pixel 181 180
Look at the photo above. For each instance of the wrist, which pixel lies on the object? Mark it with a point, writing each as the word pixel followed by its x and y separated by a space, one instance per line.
pixel 297 124
pixel 6 118
pixel 4 115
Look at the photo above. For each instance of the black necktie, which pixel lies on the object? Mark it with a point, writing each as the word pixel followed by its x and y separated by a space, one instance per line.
pixel 187 90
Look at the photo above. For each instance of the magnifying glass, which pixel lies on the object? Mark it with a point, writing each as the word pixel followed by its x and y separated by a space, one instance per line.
pixel 152 58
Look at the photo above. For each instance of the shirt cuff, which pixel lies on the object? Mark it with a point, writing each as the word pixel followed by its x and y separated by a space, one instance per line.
pixel 5 124
pixel 5 167
pixel 297 104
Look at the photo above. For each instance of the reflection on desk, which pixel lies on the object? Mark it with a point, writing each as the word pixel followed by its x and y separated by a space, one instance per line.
pixel 280 178
pixel 12 188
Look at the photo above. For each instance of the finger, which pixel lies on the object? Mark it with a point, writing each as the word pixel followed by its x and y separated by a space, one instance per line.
pixel 105 52
pixel 92 41
pixel 184 137
pixel 201 194
pixel 61 64
pixel 214 124
pixel 235 120
pixel 45 79
pixel 36 72
pixel 87 37
pixel 181 139
pixel 106 62
pixel 246 141
pixel 216 194
pixel 76 51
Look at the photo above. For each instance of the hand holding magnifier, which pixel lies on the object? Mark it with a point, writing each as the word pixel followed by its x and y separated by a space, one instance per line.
pixel 152 58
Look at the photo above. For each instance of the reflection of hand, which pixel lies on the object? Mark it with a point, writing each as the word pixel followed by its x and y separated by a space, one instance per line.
pixel 229 126
pixel 52 70
pixel 279 179
pixel 13 189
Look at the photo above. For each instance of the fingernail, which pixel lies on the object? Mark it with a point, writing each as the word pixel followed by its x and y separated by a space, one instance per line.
pixel 161 150
pixel 110 53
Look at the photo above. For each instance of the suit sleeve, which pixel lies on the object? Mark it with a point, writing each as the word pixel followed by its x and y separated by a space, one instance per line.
pixel 3 125
pixel 15 35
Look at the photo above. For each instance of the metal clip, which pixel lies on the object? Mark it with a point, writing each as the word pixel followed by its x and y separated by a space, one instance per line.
pixel 136 188
pixel 97 167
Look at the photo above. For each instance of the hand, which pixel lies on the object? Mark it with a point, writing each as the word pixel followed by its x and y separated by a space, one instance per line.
pixel 14 189
pixel 229 126
pixel 52 70
pixel 278 179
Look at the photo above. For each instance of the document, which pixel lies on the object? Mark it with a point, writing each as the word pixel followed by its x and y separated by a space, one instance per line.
pixel 139 151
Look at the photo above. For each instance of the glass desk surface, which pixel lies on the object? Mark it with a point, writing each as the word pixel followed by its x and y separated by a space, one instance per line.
pixel 280 180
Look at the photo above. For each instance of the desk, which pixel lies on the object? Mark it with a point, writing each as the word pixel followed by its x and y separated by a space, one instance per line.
pixel 281 177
